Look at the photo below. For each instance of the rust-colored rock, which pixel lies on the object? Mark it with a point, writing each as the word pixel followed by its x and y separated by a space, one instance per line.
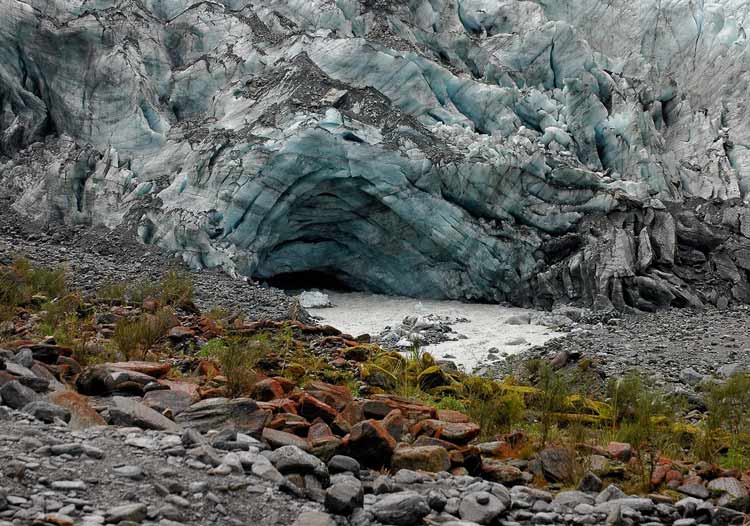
pixel 336 396
pixel 311 408
pixel 498 471
pixel 290 423
pixel 395 424
pixel 153 369
pixel 82 415
pixel 267 389
pixel 454 417
pixel 286 384
pixel 371 444
pixel 282 405
pixel 431 441
pixel 413 410
pixel 458 433
pixel 208 368
pixel 179 334
pixel 351 415
pixel 323 443
pixel 425 458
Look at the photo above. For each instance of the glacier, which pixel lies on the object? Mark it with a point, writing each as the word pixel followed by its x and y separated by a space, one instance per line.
pixel 538 152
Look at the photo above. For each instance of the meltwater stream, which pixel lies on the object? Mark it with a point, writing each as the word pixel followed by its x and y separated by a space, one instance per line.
pixel 486 328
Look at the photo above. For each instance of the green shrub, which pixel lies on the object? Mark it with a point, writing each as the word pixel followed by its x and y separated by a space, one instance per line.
pixel 142 333
pixel 551 400
pixel 237 358
pixel 176 288
pixel 112 292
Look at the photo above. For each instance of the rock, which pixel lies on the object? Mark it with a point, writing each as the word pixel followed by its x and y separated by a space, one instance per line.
pixel 17 396
pixel 128 412
pixel 82 415
pixel 152 369
pixel 458 433
pixel 47 412
pixel 278 439
pixel 313 299
pixel 480 507
pixel 691 377
pixel 371 444
pixel 433 377
pixel 426 458
pixel 291 459
pixel 730 489
pixel 590 483
pixel 24 357
pixel 557 464
pixel 620 451
pixel 102 380
pixel 127 512
pixel 501 472
pixel 130 472
pixel 344 497
pixel 571 499
pixel 162 400
pixel 215 413
pixel 400 509
pixel 311 408
pixel 729 370
pixel 267 389
pixel 343 464
pixel 609 493
pixel 314 518
pixel 698 491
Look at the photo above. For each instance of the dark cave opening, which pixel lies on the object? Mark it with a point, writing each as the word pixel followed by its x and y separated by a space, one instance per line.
pixel 309 279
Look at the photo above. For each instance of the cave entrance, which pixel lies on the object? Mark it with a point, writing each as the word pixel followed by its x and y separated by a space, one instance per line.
pixel 308 280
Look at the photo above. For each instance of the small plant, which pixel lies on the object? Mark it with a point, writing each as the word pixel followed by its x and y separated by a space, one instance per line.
pixel 140 290
pixel 176 288
pixel 237 358
pixel 142 333
pixel 551 398
pixel 112 292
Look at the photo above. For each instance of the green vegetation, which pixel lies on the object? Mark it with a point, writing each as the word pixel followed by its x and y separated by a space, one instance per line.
pixel 139 335
pixel 238 358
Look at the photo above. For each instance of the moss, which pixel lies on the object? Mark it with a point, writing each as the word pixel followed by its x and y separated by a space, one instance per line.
pixel 433 377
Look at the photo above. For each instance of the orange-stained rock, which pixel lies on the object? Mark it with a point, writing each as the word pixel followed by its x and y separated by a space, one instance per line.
pixel 371 444
pixel 211 392
pixel 208 327
pixel 312 408
pixel 336 396
pixel 498 471
pixel 153 369
pixel 323 442
pixel 82 415
pixel 454 417
pixel 286 384
pixel 430 441
pixel 208 368
pixel 189 388
pixel 659 475
pixel 395 424
pixel 413 410
pixel 456 433
pixel 673 475
pixel 267 389
pixel 282 405
pixel 351 414
pixel 290 423
pixel 180 333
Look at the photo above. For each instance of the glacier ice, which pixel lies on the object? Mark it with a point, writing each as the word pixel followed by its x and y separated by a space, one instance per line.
pixel 537 152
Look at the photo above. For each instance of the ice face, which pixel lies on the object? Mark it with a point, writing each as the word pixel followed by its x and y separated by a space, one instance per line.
pixel 530 151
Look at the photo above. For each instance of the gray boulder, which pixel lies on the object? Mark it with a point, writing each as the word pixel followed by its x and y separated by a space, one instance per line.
pixel 15 395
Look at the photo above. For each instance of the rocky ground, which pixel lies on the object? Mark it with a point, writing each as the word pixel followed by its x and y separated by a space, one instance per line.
pixel 95 256
pixel 677 349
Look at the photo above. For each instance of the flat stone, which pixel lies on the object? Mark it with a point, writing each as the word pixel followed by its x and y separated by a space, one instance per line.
pixel 46 412
pixel 480 507
pixel 128 412
pixel 343 498
pixel 17 396
pixel 425 458
pixel 128 512
pixel 405 508
pixel 214 413
pixel 168 399
pixel 277 439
